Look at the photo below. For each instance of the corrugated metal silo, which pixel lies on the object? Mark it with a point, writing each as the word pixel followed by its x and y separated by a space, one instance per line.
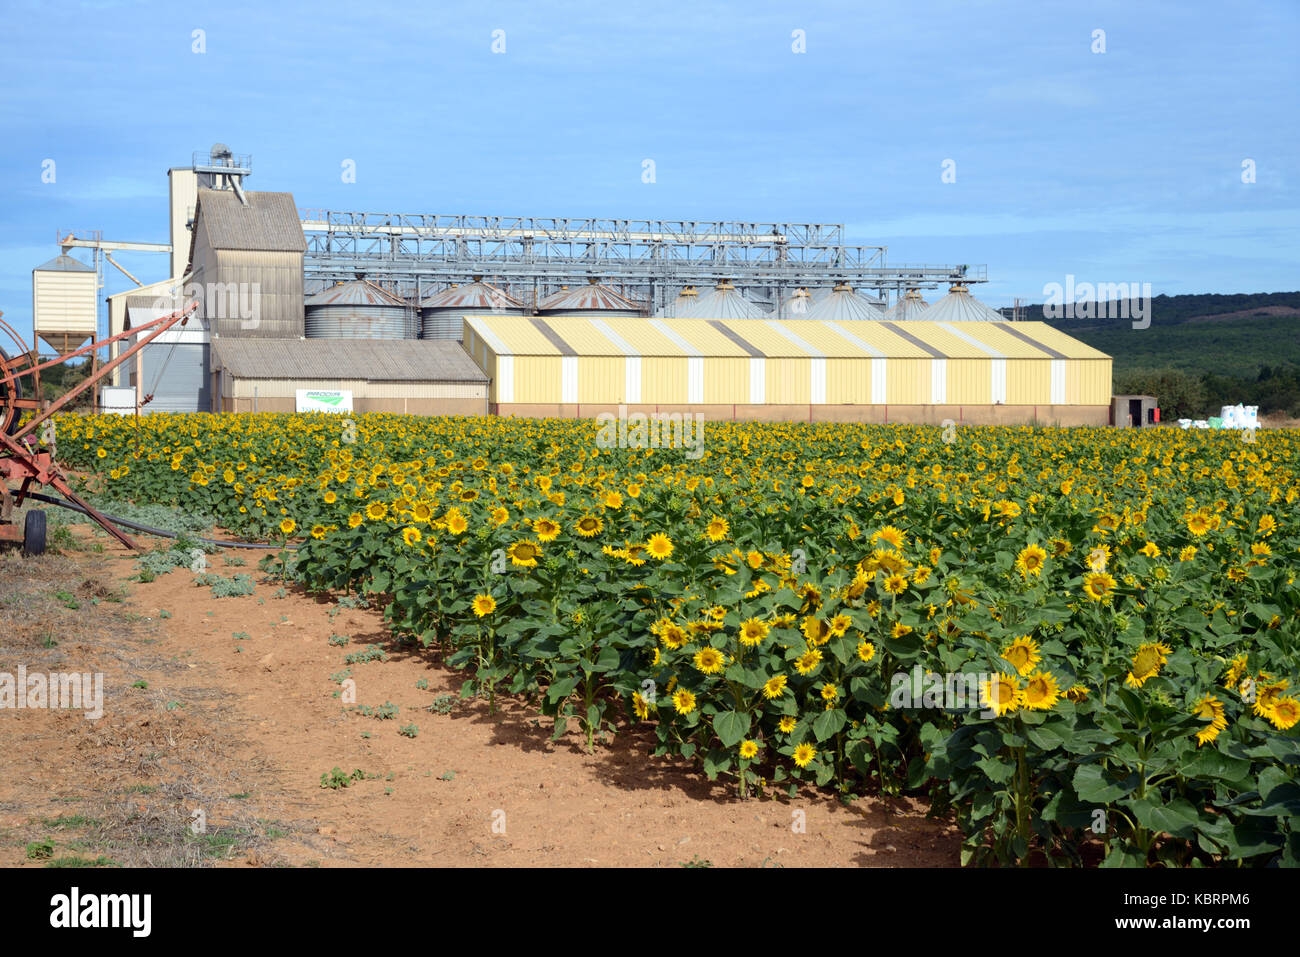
pixel 682 305
pixel 441 312
pixel 358 309
pixel 591 299
pixel 910 306
pixel 724 302
pixel 843 303
pixel 798 306
pixel 960 306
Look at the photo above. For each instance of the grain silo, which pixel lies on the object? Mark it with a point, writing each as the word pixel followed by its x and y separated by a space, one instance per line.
pixel 683 305
pixel 64 308
pixel 960 306
pixel 843 303
pixel 358 309
pixel 724 302
pixel 441 312
pixel 591 299
pixel 910 306
pixel 798 305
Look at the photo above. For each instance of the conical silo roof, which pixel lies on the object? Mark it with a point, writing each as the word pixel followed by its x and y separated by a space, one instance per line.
pixel 724 302
pixel 910 306
pixel 684 304
pixel 960 306
pixel 354 292
pixel 593 297
pixel 844 303
pixel 474 295
pixel 799 305
pixel 64 263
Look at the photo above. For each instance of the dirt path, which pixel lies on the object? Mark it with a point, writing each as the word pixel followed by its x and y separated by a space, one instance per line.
pixel 229 706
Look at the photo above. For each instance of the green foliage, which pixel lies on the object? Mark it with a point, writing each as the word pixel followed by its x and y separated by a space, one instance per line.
pixel 336 778
pixel 235 586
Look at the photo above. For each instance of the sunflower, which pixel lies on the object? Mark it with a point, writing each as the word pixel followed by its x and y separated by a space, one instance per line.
pixel 893 536
pixel 786 724
pixel 330 497
pixel 499 516
pixel 1211 709
pixel 1285 713
pixel 804 754
pixel 613 500
pixel 1267 694
pixel 318 531
pixel 411 536
pixel 816 631
pixel 674 636
pixel 1077 693
pixel 709 660
pixel 717 529
pixel 840 624
pixel 748 749
pixel 524 553
pixel 1267 525
pixel 355 519
pixel 287 526
pixel 752 632
pixel 683 701
pixel 1198 523
pixel 632 554
pixel 589 525
pixel 1187 554
pixel 1041 692
pixel 546 529
pixel 1000 692
pixel 895 584
pixel 774 687
pixel 1098 585
pixel 484 605
pixel 1030 560
pixel 1023 654
pixel 455 521
pixel 866 650
pixel 376 510
pixel 807 663
pixel 1150 550
pixel 1147 662
pixel 830 692
pixel 639 706
pixel 659 546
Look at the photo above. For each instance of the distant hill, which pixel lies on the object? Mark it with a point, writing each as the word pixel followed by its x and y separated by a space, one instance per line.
pixel 1230 348
pixel 1231 335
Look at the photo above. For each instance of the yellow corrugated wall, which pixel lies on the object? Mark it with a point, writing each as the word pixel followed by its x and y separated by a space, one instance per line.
pixel 602 379
pixel 1029 381
pixel 970 382
pixel 537 379
pixel 907 382
pixel 726 380
pixel 848 381
pixel 663 380
pixel 1088 382
pixel 788 381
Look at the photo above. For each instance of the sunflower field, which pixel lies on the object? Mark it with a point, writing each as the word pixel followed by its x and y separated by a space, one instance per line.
pixel 1081 643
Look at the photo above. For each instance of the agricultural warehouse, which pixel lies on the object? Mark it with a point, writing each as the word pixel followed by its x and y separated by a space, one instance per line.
pixel 417 377
pixel 561 317
pixel 784 370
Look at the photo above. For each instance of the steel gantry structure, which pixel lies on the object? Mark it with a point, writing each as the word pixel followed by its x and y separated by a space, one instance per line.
pixel 650 260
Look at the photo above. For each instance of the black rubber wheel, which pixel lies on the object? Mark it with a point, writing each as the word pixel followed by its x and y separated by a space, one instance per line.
pixel 34 533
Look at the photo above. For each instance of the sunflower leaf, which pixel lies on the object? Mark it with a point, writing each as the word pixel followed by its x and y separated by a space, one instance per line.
pixel 731 727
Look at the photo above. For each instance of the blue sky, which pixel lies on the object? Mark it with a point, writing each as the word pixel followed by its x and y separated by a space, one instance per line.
pixel 1116 166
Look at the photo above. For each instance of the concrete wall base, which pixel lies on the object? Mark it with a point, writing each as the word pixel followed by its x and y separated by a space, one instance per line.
pixel 1086 415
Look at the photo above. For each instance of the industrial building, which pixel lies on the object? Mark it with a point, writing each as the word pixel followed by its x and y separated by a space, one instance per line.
pixel 791 370
pixel 415 377
pixel 434 314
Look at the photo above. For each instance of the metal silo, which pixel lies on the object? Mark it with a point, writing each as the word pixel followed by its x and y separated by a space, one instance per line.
pixel 683 305
pixel 591 299
pixel 960 306
pixel 798 306
pixel 910 306
pixel 358 309
pixel 441 312
pixel 844 303
pixel 724 302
